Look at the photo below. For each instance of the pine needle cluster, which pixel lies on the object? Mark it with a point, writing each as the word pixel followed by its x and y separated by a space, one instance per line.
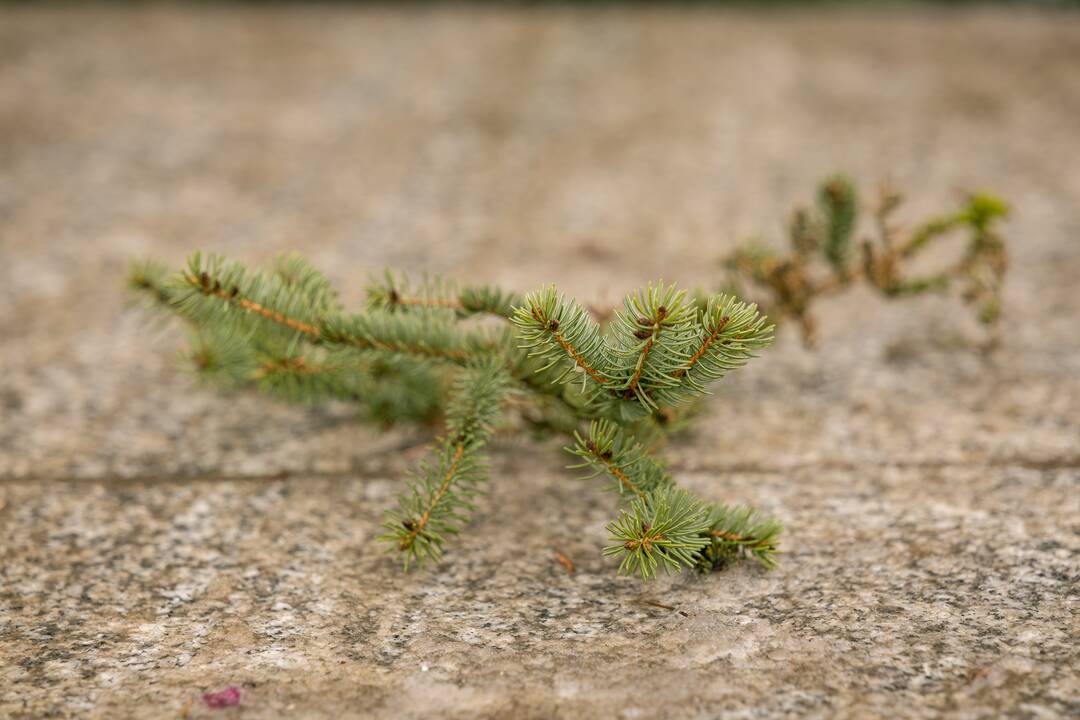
pixel 425 353
pixel 823 261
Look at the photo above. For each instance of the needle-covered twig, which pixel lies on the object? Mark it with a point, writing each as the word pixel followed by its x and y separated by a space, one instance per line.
pixel 418 353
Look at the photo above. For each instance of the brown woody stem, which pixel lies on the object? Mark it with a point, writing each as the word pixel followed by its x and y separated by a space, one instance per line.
pixel 704 347
pixel 422 522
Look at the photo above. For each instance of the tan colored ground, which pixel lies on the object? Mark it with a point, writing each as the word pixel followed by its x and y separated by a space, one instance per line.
pixel 159 540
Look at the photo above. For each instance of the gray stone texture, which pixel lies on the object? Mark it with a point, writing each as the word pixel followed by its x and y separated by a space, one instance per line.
pixel 161 540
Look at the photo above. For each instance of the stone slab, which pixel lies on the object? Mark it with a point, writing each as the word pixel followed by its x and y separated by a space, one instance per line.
pixel 160 541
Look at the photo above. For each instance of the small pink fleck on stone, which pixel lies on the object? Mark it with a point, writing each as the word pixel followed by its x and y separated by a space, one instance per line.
pixel 226 698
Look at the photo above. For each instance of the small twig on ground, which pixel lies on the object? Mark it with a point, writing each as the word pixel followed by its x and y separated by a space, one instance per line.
pixel 657 604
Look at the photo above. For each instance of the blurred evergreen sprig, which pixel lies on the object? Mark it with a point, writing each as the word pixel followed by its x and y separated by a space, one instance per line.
pixel 823 259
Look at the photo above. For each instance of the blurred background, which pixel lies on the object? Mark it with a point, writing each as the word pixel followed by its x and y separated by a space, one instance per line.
pixel 598 145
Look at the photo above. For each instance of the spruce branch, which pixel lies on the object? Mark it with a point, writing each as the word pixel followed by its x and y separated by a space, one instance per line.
pixel 650 337
pixel 400 389
pixel 665 529
pixel 218 358
pixel 288 370
pixel 296 273
pixel 284 332
pixel 398 294
pixel 739 531
pixel 296 378
pixel 425 336
pixel 149 281
pixel 563 334
pixel 608 450
pixel 729 333
pixel 221 291
pixel 440 498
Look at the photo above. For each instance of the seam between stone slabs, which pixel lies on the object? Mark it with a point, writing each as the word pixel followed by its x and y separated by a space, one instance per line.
pixel 1055 463
pixel 1063 463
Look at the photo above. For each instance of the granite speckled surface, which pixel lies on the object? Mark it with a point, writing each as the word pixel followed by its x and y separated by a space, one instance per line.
pixel 159 541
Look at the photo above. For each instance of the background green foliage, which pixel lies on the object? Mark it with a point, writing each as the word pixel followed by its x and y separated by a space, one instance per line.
pixel 827 257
